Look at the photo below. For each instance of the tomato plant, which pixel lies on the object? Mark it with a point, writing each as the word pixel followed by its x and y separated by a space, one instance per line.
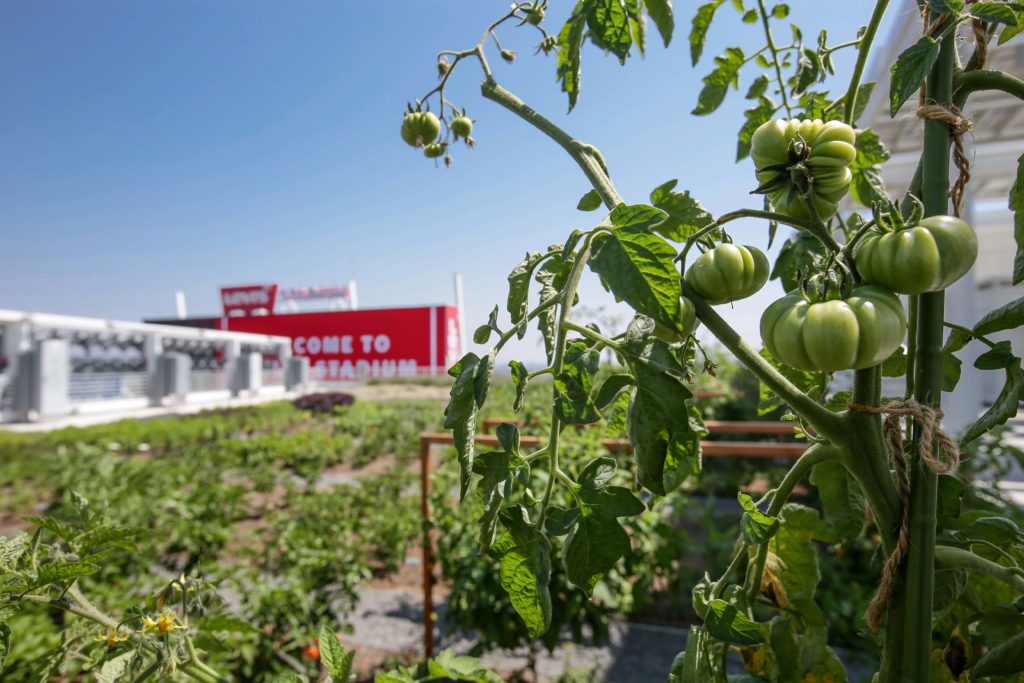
pixel 844 268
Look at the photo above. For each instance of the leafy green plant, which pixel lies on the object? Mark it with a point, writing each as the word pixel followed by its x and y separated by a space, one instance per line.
pixel 808 155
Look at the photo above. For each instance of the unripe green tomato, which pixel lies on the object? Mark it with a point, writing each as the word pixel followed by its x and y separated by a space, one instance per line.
pixel 826 149
pixel 727 273
pixel 687 324
pixel 419 128
pixel 855 332
pixel 434 150
pixel 535 15
pixel 462 126
pixel 928 257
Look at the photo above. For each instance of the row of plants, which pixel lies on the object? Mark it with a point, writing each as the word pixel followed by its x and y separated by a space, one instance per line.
pixel 132 547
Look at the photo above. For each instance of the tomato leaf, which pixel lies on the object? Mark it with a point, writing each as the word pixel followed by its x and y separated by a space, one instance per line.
pixel 994 11
pixel 590 201
pixel 496 470
pixel 756 526
pixel 638 268
pixel 808 70
pixel 699 28
pixel 520 378
pixel 800 252
pixel 661 14
pixel 686 215
pixel 460 415
pixel 1004 659
pixel 867 186
pixel 909 71
pixel 1003 318
pixel 996 358
pixel 637 218
pixel 552 277
pixel 1003 408
pixel 667 448
pixel 951 366
pixel 716 83
pixel 841 498
pixel 334 657
pixel 957 340
pixel 5 643
pixel 570 41
pixel 574 384
pixel 610 388
pixel 1017 206
pixel 525 570
pixel 519 288
pixel 725 622
pixel 796 563
pixel 755 116
pixel 609 27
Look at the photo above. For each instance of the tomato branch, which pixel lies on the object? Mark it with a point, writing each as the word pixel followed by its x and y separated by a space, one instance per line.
pixel 957 558
pixel 592 335
pixel 775 57
pixel 967 82
pixel 754 213
pixel 863 51
pixel 585 156
pixel 824 421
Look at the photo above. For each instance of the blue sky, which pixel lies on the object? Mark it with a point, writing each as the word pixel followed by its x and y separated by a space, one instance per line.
pixel 147 147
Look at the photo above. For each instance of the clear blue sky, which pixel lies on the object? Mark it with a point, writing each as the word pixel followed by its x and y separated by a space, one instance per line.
pixel 147 147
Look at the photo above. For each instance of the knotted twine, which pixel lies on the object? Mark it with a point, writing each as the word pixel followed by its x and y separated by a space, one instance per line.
pixel 958 125
pixel 928 419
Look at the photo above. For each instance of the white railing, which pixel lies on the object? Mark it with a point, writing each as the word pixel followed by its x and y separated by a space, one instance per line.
pixel 106 386
pixel 209 380
pixel 273 377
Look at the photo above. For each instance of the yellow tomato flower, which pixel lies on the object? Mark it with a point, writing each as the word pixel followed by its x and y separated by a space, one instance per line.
pixel 112 638
pixel 163 624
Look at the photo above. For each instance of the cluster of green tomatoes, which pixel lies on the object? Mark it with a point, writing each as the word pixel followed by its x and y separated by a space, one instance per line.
pixel 847 317
pixel 422 129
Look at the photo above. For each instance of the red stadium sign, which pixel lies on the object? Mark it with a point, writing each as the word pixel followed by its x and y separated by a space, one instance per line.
pixel 348 345
pixel 246 300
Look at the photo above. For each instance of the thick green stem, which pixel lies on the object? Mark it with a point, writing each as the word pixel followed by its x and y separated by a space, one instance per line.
pixel 850 101
pixel 967 82
pixel 920 568
pixel 584 155
pixel 825 422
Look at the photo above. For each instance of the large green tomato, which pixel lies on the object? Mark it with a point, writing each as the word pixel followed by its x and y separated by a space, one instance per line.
pixel 780 149
pixel 687 324
pixel 928 257
pixel 855 332
pixel 419 128
pixel 727 273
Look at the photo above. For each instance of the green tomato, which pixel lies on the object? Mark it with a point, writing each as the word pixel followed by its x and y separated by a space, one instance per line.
pixel 419 128
pixel 928 257
pixel 825 150
pixel 687 324
pixel 434 150
pixel 855 332
pixel 727 273
pixel 462 126
pixel 535 15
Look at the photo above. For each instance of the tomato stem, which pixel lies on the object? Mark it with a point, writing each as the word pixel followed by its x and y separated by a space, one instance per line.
pixel 850 100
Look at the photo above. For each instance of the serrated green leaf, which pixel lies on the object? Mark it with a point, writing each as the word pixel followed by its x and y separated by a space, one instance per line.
pixel 1003 408
pixel 570 40
pixel 808 69
pixel 573 386
pixel 792 556
pixel 610 388
pixel 951 366
pixel 957 340
pixel 520 378
pixel 995 11
pixel 1005 317
pixel 56 527
pixel 592 548
pixel 609 27
pixel 896 364
pixel 699 28
pixel 753 118
pixel 661 14
pixel 460 415
pixel 909 71
pixel 590 201
pixel 5 644
pixel 333 656
pixel 725 622
pixel 639 269
pixel 552 277
pixel 519 288
pixel 686 215
pixel 757 88
pixel 996 358
pixel 525 570
pixel 841 498
pixel 115 669
pixel 226 623
pixel 60 572
pixel 756 526
pixel 716 83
